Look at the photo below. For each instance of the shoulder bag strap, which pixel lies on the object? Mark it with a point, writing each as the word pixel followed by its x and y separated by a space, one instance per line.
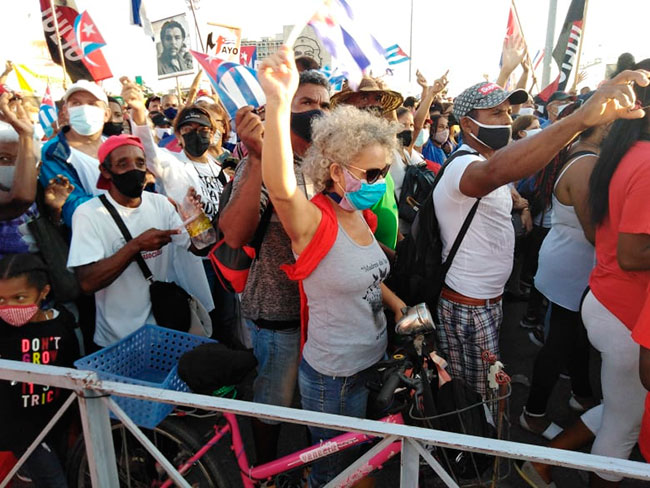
pixel 148 275
pixel 468 220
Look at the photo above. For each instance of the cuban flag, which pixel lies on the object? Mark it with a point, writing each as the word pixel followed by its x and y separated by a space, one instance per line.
pixel 355 50
pixel 248 56
pixel 89 44
pixel 236 85
pixel 395 55
pixel 47 113
pixel 334 77
pixel 139 17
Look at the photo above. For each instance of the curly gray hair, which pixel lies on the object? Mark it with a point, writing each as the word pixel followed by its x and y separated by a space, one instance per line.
pixel 339 137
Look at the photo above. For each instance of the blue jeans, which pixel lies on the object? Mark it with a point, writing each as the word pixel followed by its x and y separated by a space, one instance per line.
pixel 277 353
pixel 337 395
pixel 44 468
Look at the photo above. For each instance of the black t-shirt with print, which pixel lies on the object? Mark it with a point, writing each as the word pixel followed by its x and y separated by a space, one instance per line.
pixel 25 407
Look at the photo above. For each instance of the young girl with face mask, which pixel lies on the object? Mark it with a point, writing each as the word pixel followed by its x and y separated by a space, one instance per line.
pixel 33 333
pixel 438 147
pixel 338 261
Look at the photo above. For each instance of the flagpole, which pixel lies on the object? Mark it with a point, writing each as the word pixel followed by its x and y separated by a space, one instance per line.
pixel 178 90
pixel 582 40
pixel 530 61
pixel 196 24
pixel 411 45
pixel 58 43
pixel 550 35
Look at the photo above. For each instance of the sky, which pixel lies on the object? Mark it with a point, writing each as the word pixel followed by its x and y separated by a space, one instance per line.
pixel 464 36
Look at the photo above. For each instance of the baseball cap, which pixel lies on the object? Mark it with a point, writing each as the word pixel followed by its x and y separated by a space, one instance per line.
pixel 559 95
pixel 485 95
pixel 194 115
pixel 108 146
pixel 85 85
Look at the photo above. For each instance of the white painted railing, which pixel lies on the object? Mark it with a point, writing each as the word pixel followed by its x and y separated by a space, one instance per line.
pixel 94 401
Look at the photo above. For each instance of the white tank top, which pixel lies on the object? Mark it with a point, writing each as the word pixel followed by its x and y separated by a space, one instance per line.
pixel 566 257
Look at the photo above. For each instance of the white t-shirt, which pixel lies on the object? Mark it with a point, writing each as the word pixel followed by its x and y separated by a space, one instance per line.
pixel 88 170
pixel 484 259
pixel 124 305
pixel 211 185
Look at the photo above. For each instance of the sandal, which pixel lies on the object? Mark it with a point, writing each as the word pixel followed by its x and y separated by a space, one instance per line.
pixel 530 475
pixel 550 433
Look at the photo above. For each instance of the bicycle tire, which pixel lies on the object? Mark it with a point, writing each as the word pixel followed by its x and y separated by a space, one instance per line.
pixel 217 468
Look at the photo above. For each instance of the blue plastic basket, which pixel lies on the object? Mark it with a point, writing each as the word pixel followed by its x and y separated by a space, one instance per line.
pixel 149 356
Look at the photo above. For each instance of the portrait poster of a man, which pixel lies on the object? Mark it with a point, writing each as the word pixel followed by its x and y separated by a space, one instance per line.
pixel 172 46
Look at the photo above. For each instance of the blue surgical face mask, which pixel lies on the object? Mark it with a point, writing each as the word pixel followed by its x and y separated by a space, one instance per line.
pixel 422 138
pixel 86 119
pixel 359 194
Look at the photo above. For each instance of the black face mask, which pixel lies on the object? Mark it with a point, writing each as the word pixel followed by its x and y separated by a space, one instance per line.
pixel 301 123
pixel 112 129
pixel 170 113
pixel 131 183
pixel 493 136
pixel 405 137
pixel 196 143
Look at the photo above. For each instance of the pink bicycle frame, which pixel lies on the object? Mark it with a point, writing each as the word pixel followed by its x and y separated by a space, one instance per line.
pixel 251 476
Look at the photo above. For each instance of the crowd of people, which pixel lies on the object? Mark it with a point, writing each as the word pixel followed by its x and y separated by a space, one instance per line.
pixel 133 189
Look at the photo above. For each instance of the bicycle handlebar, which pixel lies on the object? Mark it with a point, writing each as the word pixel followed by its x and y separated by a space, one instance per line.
pixel 387 392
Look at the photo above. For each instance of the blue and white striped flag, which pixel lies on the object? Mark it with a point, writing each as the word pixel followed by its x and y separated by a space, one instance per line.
pixel 355 50
pixel 47 113
pixel 334 77
pixel 395 55
pixel 236 85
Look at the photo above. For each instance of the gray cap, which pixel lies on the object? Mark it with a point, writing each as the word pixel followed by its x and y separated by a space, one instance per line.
pixel 485 95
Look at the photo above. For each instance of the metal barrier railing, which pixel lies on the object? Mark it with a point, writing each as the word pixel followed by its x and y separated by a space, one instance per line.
pixel 95 402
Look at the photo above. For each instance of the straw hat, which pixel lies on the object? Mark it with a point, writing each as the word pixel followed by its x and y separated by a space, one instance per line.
pixel 390 100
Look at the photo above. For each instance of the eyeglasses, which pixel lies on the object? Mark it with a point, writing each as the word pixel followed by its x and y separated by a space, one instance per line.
pixel 373 174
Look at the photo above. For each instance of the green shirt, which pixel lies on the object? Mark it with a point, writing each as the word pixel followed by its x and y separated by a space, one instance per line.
pixel 387 219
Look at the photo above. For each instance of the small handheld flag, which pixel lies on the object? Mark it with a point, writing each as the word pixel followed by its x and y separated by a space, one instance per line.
pixel 395 55
pixel 47 115
pixel 236 85
pixel 89 44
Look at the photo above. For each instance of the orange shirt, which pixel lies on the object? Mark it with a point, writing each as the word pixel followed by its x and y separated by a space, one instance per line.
pixel 641 334
pixel 623 292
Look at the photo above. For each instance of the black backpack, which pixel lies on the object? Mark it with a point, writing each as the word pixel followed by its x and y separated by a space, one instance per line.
pixel 418 273
pixel 417 186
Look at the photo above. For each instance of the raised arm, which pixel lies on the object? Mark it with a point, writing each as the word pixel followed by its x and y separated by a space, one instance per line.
pixel 20 197
pixel 429 94
pixel 241 215
pixel 613 100
pixel 300 218
pixel 513 53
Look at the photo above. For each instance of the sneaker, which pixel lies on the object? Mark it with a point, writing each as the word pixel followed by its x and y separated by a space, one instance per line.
pixel 536 336
pixel 530 322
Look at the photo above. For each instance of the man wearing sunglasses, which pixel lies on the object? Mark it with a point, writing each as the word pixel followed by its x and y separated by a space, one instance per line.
pixel 470 303
pixel 271 302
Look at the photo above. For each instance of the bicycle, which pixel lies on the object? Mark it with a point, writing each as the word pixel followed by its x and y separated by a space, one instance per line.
pixel 404 384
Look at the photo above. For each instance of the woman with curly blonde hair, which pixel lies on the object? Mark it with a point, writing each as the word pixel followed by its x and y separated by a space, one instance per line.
pixel 338 261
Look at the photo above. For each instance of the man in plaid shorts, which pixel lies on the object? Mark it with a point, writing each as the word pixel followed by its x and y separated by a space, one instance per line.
pixel 470 304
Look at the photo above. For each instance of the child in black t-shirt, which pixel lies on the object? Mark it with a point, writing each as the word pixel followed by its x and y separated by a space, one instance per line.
pixel 32 333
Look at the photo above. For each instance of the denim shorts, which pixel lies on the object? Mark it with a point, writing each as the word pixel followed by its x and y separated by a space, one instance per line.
pixel 337 395
pixel 277 353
